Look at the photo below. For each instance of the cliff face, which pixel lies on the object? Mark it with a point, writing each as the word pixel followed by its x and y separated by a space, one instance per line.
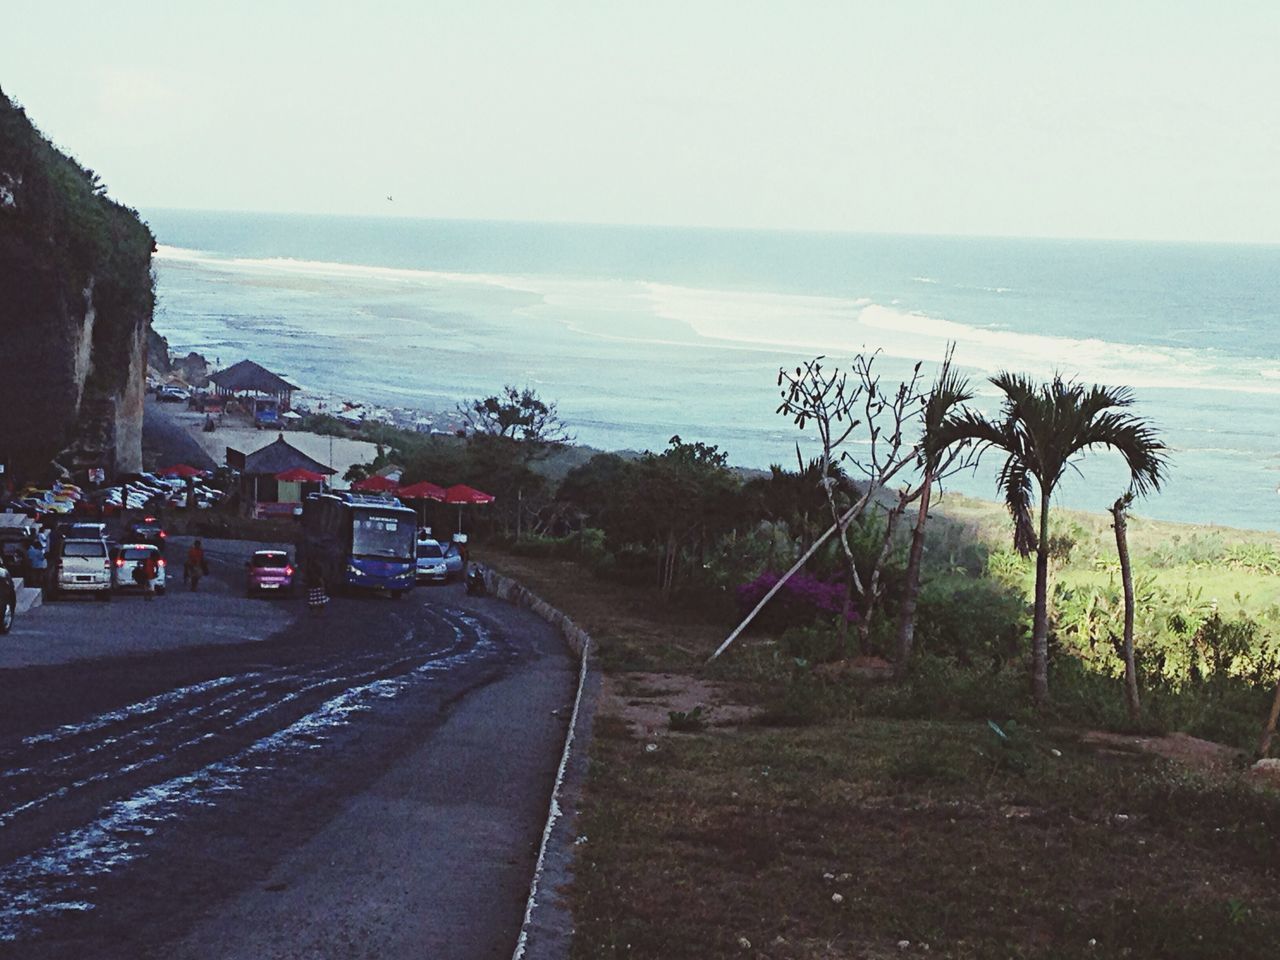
pixel 76 297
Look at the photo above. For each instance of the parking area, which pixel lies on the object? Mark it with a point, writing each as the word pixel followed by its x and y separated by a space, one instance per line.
pixel 80 628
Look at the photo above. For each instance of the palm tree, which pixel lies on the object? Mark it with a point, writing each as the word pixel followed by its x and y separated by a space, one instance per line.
pixel 1040 430
pixel 950 390
pixel 1119 509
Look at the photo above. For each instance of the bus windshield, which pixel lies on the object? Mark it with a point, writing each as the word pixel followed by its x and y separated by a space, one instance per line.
pixel 384 536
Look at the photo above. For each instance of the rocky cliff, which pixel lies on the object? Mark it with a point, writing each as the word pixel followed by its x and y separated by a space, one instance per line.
pixel 76 297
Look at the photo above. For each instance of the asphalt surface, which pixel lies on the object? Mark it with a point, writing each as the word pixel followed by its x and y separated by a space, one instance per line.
pixel 207 775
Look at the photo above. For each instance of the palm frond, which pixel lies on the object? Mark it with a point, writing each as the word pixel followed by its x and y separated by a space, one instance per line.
pixel 950 390
pixel 1014 481
pixel 1135 440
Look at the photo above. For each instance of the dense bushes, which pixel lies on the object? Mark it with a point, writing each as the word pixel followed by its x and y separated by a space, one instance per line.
pixel 971 621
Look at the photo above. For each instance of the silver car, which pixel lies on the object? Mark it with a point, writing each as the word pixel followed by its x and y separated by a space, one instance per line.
pixel 431 564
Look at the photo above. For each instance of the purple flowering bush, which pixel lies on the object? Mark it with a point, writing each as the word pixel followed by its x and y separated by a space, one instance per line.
pixel 802 600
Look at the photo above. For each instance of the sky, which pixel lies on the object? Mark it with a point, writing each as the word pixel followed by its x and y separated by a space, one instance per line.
pixel 1085 119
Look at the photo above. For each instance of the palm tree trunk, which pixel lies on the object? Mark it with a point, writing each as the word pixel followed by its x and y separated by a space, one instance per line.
pixel 1126 578
pixel 911 589
pixel 1040 627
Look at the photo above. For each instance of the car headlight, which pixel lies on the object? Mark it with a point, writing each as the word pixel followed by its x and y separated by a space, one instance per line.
pixel 352 568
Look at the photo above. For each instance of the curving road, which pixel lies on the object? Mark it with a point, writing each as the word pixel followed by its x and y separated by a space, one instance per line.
pixel 369 782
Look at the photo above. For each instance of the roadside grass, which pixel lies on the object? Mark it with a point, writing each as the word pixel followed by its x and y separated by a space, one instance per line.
pixel 846 840
pixel 852 816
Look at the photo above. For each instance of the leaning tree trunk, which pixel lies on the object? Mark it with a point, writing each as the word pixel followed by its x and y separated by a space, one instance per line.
pixel 1126 577
pixel 1040 626
pixel 911 589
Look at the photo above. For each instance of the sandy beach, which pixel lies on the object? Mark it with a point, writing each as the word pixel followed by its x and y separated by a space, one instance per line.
pixel 337 452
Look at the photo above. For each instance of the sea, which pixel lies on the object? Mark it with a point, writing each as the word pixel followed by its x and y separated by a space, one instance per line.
pixel 642 333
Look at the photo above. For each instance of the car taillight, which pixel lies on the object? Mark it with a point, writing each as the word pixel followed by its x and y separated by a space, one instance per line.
pixel 163 534
pixel 160 562
pixel 120 562
pixel 288 571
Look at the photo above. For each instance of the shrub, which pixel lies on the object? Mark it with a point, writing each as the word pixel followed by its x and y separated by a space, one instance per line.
pixel 971 621
pixel 802 599
pixel 817 643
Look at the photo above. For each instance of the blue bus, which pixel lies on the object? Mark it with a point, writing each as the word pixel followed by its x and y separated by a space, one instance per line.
pixel 360 542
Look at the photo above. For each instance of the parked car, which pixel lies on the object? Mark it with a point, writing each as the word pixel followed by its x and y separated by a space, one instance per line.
pixel 268 571
pixel 81 530
pixel 8 600
pixel 129 557
pixel 431 565
pixel 150 530
pixel 266 417
pixel 453 560
pixel 83 566
pixel 171 394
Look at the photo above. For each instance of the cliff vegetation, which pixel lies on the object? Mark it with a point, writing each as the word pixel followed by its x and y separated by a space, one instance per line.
pixel 76 299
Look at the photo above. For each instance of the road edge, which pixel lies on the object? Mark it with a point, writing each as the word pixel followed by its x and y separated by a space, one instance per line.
pixel 547 930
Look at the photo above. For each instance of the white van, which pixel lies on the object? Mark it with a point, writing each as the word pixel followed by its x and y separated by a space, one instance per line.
pixel 83 566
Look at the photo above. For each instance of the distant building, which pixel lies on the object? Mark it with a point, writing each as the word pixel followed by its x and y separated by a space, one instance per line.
pixel 247 378
pixel 262 489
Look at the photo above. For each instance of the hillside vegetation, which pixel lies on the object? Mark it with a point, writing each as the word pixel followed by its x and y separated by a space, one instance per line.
pixel 76 299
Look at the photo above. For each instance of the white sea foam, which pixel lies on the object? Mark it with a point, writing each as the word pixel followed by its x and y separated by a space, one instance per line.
pixel 631 310
pixel 331 269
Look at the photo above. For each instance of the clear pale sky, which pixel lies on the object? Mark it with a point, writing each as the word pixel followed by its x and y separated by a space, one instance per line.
pixel 1093 119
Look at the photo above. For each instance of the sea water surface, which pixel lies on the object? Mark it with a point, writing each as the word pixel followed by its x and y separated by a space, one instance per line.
pixel 641 333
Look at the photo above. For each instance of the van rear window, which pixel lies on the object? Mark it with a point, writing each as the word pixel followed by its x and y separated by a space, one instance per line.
pixel 84 548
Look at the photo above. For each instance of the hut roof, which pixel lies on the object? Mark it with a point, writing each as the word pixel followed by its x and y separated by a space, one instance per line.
pixel 279 456
pixel 247 375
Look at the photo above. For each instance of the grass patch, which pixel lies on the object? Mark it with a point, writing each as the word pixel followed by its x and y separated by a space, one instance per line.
pixel 712 841
pixel 851 817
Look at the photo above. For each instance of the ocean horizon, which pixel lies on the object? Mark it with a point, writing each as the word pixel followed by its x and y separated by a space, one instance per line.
pixel 641 333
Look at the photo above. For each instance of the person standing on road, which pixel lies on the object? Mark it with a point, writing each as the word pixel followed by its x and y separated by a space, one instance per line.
pixel 195 567
pixel 150 571
pixel 37 565
pixel 316 595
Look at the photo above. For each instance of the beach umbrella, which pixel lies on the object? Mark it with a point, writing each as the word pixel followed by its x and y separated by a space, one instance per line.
pixel 300 475
pixel 425 490
pixel 462 495
pixel 180 470
pixel 422 491
pixel 376 484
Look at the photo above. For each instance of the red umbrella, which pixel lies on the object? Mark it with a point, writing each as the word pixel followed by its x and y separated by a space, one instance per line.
pixel 300 475
pixel 180 470
pixel 376 484
pixel 461 493
pixel 425 490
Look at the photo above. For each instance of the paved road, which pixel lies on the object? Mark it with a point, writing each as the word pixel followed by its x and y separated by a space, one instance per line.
pixel 367 783
pixel 78 627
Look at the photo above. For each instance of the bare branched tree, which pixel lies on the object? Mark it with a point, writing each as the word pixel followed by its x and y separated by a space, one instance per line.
pixel 889 427
pixel 841 405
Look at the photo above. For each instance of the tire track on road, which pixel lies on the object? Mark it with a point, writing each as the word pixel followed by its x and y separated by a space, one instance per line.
pixel 299 711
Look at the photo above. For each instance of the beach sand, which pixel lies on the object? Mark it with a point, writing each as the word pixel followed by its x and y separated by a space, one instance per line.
pixel 337 452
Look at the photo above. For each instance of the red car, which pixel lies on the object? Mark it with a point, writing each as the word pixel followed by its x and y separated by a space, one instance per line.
pixel 269 571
